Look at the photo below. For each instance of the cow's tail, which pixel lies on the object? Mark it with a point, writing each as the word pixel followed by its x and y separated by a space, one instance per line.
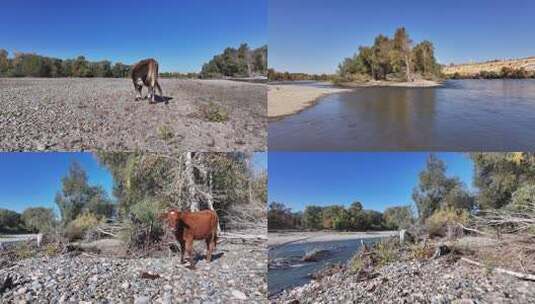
pixel 217 230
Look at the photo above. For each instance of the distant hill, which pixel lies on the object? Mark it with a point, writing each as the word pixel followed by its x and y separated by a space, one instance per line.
pixel 472 69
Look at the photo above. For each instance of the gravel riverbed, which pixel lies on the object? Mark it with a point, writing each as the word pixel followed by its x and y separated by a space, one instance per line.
pixel 439 281
pixel 236 276
pixel 69 114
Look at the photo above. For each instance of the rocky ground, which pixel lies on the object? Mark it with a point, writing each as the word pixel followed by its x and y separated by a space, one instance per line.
pixel 446 279
pixel 97 113
pixel 237 275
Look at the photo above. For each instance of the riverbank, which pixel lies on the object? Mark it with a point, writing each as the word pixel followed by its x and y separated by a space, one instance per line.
pixel 284 100
pixel 417 274
pixel 276 239
pixel 418 83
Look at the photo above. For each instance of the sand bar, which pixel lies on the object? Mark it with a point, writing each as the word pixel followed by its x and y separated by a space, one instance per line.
pixel 285 100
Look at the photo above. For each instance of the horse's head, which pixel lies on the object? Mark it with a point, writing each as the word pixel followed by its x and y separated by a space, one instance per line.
pixel 172 217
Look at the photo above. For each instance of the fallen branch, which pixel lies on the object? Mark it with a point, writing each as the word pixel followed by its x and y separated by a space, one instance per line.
pixel 473 230
pixel 523 276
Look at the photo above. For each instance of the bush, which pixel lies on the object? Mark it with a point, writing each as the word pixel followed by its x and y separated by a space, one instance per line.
pixel 24 251
pixel 444 222
pixel 144 226
pixel 76 229
pixel 38 219
pixel 523 199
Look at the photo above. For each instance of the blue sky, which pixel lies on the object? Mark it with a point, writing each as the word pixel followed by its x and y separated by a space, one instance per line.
pixel 182 35
pixel 313 36
pixel 33 179
pixel 377 180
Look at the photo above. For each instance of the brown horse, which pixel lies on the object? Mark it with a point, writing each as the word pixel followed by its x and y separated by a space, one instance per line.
pixel 190 226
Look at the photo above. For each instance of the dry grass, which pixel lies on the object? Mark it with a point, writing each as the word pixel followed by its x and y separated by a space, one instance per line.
pixel 490 66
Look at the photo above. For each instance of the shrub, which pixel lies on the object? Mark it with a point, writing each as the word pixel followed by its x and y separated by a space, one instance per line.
pixel 165 132
pixel 523 199
pixel 24 251
pixel 51 249
pixel 144 226
pixel 444 222
pixel 214 113
pixel 76 229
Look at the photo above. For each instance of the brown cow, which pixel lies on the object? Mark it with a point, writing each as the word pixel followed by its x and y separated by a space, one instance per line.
pixel 189 226
pixel 145 73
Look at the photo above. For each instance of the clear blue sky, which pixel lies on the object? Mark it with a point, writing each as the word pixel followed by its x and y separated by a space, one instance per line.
pixel 182 34
pixel 33 179
pixel 377 180
pixel 313 36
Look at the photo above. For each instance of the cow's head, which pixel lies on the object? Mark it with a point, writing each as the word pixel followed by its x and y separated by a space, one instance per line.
pixel 172 217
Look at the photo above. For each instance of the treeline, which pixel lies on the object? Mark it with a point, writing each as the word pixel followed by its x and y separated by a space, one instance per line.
pixel 286 76
pixel 240 62
pixel 504 181
pixel 32 219
pixel 391 59
pixel 504 73
pixel 178 75
pixel 33 65
pixel 338 217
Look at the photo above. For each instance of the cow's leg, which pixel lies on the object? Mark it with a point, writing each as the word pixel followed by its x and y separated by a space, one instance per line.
pixel 189 251
pixel 182 251
pixel 209 248
pixel 152 94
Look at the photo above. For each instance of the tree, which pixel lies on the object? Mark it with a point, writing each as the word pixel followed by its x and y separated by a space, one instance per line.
pixel 237 62
pixel 312 217
pixel 4 62
pixel 38 219
pixel 402 44
pixel 398 217
pixel 10 221
pixel 424 58
pixel 77 196
pixel 434 187
pixel 499 175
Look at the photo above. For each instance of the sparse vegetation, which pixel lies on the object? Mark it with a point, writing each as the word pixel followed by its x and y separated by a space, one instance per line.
pixel 165 132
pixel 214 113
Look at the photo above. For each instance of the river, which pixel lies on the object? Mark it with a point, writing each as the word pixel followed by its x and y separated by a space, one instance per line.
pixel 288 270
pixel 462 115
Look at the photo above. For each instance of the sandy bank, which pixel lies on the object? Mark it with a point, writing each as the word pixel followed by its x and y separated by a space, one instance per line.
pixel 420 83
pixel 281 238
pixel 289 99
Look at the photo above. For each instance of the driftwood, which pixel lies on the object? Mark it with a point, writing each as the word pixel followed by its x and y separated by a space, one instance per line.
pixel 523 276
pixel 242 238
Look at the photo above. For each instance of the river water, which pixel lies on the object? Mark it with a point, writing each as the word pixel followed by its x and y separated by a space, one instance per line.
pixel 462 115
pixel 294 272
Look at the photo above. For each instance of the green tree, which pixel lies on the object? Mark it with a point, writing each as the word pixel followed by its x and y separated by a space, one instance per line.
pixel 402 48
pixel 312 217
pixel 433 188
pixel 38 219
pixel 10 221
pixel 398 217
pixel 77 196
pixel 424 58
pixel 498 175
pixel 4 62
